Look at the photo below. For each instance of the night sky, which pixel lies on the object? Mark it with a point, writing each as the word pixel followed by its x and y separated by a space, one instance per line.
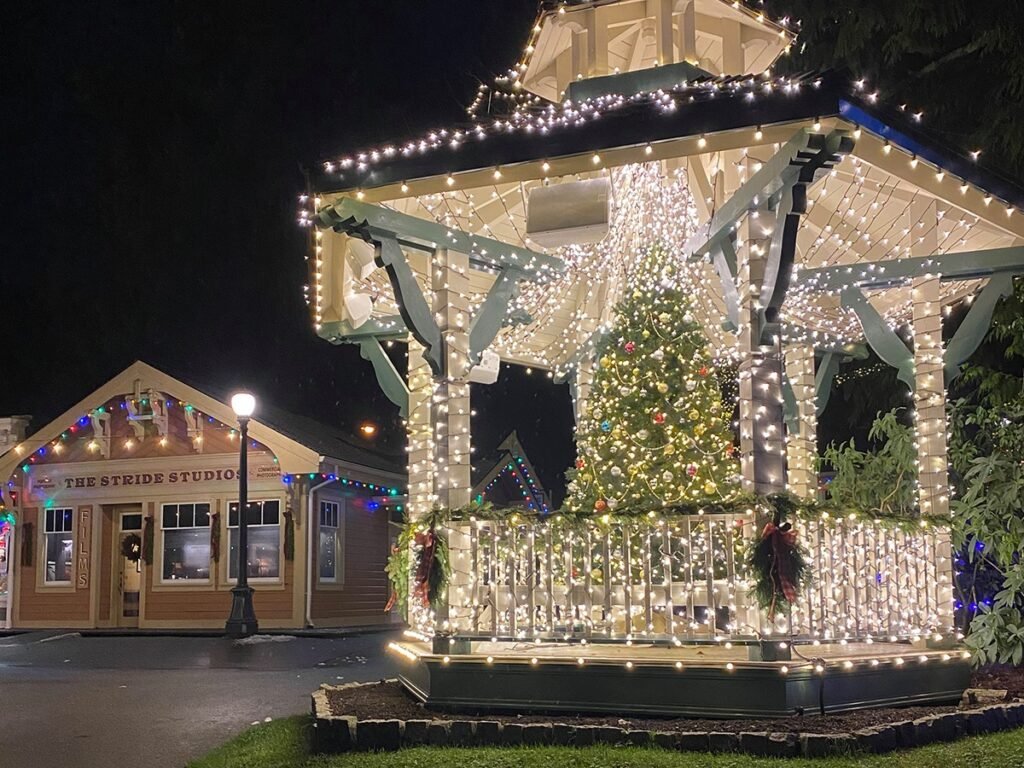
pixel 158 151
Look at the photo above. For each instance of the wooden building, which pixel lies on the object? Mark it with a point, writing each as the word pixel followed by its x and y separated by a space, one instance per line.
pixel 125 515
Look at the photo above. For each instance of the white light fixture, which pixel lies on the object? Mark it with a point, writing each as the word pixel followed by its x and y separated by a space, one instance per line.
pixel 243 404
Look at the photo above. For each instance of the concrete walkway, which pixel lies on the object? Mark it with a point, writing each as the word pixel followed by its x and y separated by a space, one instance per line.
pixel 106 702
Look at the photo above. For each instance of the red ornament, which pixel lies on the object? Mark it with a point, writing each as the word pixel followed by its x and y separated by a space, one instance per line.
pixel 691 469
pixel 730 450
pixel 600 505
pixel 659 418
pixel 580 463
pixel 703 370
pixel 630 346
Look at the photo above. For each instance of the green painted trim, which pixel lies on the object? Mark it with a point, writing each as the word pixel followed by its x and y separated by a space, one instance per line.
pixel 974 327
pixel 388 378
pixel 790 413
pixel 964 265
pixel 412 305
pixel 366 220
pixel 492 314
pixel 823 377
pixel 385 327
pixel 725 265
pixel 638 81
pixel 883 339
pixel 799 159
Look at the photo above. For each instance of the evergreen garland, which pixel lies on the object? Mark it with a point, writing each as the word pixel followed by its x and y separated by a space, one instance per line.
pixel 289 536
pixel 215 536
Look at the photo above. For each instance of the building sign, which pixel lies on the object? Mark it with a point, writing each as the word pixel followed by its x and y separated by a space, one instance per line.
pixel 83 548
pixel 75 478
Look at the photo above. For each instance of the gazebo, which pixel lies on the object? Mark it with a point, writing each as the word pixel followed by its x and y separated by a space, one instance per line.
pixel 814 222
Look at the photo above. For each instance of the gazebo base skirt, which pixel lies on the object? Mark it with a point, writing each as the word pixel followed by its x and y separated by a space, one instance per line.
pixel 692 681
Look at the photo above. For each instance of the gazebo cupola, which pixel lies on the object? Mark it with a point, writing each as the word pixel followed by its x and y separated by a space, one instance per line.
pixel 644 45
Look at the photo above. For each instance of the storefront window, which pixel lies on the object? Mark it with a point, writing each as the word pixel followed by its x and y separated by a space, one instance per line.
pixel 263 521
pixel 328 554
pixel 60 544
pixel 186 535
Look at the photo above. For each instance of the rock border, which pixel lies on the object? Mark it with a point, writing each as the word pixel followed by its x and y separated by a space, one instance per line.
pixel 345 733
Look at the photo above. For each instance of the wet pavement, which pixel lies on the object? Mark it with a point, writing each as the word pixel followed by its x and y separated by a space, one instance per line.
pixel 105 702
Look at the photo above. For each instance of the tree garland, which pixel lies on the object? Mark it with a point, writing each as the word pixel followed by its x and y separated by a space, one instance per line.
pixel 215 536
pixel 792 507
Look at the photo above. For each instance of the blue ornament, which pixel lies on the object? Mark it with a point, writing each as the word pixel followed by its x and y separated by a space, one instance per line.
pixel 606 426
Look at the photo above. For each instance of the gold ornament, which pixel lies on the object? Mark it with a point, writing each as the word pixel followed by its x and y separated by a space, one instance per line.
pixel 710 487
pixel 606 362
pixel 669 449
pixel 693 415
pixel 662 387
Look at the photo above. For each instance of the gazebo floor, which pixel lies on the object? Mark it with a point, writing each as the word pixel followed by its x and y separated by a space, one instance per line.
pixel 692 680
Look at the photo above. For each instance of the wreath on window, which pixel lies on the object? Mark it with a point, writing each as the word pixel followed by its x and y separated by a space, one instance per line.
pixel 131 547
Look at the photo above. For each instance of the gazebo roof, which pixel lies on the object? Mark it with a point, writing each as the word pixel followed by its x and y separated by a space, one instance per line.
pixel 675 155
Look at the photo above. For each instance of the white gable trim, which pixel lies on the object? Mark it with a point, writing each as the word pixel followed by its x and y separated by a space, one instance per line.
pixel 292 456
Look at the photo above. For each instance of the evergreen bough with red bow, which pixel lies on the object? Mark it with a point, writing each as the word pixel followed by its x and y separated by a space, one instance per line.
pixel 779 564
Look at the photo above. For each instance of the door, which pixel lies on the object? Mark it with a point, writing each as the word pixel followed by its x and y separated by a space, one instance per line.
pixel 129 551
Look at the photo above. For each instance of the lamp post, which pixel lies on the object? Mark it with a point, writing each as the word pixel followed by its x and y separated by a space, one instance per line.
pixel 242 621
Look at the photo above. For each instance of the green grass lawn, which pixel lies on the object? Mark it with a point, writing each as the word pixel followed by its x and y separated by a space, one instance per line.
pixel 283 744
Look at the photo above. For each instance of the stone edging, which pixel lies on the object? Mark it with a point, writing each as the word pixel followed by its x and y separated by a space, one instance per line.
pixel 344 733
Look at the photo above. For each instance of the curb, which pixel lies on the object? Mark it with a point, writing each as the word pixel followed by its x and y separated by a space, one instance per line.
pixel 346 733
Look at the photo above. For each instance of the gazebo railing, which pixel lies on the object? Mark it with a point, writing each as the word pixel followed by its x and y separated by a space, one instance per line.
pixel 686 578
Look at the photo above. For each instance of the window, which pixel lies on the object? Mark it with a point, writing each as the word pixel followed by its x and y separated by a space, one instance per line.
pixel 186 531
pixel 263 526
pixel 327 558
pixel 60 543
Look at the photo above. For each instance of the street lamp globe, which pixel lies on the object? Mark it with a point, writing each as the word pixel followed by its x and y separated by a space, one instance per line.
pixel 243 404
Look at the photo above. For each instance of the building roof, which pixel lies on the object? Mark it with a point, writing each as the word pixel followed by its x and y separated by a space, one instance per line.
pixel 300 445
pixel 510 458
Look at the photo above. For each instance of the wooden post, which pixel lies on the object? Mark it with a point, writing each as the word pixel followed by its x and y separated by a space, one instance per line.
pixel 450 409
pixel 762 446
pixel 688 33
pixel 417 427
pixel 450 421
pixel 801 444
pixel 929 389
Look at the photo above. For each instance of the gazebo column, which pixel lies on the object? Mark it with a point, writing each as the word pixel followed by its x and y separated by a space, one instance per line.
pixel 450 417
pixel 451 395
pixel 930 397
pixel 762 446
pixel 418 433
pixel 801 442
pixel 929 383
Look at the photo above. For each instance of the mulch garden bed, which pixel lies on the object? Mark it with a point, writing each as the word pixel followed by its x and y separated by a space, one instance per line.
pixel 389 701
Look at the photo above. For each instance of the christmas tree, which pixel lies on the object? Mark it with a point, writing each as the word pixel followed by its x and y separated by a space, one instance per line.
pixel 654 431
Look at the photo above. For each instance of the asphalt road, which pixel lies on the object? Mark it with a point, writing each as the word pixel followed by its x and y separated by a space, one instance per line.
pixel 106 702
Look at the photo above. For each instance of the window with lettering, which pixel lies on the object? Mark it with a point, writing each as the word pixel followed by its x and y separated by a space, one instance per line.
pixel 186 541
pixel 58 533
pixel 263 530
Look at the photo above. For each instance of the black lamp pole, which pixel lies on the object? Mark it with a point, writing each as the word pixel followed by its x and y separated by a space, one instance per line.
pixel 242 621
